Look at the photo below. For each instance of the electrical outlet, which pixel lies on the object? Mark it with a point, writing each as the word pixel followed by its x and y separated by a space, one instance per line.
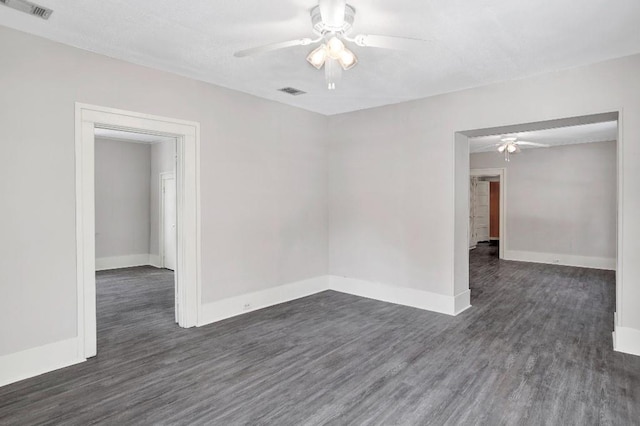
pixel 246 306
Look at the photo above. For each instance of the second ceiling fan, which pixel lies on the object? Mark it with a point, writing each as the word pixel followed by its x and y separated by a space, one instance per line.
pixel 332 22
pixel 511 145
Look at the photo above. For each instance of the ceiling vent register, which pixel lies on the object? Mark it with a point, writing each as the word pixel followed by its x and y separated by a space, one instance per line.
pixel 292 91
pixel 28 7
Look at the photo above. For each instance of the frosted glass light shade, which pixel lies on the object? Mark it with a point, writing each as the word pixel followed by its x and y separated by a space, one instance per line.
pixel 318 56
pixel 347 59
pixel 335 47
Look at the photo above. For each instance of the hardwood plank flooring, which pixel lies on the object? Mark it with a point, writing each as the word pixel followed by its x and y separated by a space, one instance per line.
pixel 535 349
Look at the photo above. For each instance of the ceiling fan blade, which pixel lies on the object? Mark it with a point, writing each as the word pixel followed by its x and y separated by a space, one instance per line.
pixel 486 148
pixel 273 46
pixel 332 12
pixel 541 145
pixel 389 42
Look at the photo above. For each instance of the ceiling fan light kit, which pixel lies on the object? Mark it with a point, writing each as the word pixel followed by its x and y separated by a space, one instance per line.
pixel 327 55
pixel 332 21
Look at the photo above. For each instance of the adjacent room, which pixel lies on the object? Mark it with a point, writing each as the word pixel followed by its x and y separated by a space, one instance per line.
pixel 320 212
pixel 135 236
pixel 560 197
pixel 542 228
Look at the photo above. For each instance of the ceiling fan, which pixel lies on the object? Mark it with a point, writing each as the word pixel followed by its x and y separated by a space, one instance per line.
pixel 332 22
pixel 511 145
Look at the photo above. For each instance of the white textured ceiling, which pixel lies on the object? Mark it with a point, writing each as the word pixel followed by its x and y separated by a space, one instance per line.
pixel 586 133
pixel 131 136
pixel 475 42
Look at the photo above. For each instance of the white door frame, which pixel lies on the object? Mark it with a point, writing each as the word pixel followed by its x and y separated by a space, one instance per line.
pixel 163 176
pixel 188 261
pixel 502 172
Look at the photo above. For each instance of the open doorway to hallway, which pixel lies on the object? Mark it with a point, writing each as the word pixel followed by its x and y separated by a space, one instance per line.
pixel 135 241
pixel 486 209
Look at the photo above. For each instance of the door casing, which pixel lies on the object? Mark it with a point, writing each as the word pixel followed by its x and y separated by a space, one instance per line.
pixel 188 260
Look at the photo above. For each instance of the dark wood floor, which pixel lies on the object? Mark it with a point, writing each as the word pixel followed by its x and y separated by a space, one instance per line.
pixel 534 349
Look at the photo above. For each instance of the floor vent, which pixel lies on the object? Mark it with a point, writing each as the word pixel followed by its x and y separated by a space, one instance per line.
pixel 292 91
pixel 28 7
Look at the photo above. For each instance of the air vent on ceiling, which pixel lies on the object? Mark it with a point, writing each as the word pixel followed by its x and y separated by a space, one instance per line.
pixel 28 7
pixel 292 91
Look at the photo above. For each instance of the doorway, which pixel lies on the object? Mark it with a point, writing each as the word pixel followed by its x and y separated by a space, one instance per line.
pixel 487 208
pixel 548 230
pixel 135 205
pixel 187 182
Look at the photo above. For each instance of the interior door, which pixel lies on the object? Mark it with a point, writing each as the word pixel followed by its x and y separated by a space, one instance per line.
pixel 481 211
pixel 169 223
pixel 494 210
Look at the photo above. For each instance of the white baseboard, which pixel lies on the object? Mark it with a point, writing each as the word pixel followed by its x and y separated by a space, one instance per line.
pixel 626 340
pixel 462 302
pixel 33 362
pixel 117 262
pixel 233 306
pixel 399 295
pixel 154 260
pixel 238 305
pixel 561 259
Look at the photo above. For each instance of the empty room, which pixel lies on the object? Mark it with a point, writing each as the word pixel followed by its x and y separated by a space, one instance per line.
pixel 135 244
pixel 320 212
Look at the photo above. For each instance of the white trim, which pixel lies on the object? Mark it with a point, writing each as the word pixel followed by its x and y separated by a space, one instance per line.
pixel 187 134
pixel 35 361
pixel 117 262
pixel 626 340
pixel 562 259
pixel 238 305
pixel 461 217
pixel 502 172
pixel 620 222
pixel 232 306
pixel 462 302
pixel 415 298
pixel 163 176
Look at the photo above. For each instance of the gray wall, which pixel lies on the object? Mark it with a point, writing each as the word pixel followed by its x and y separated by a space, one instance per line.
pixel 391 174
pixel 560 200
pixel 163 160
pixel 128 196
pixel 263 181
pixel 122 178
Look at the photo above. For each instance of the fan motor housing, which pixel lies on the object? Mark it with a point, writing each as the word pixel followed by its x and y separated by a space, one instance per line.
pixel 320 28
